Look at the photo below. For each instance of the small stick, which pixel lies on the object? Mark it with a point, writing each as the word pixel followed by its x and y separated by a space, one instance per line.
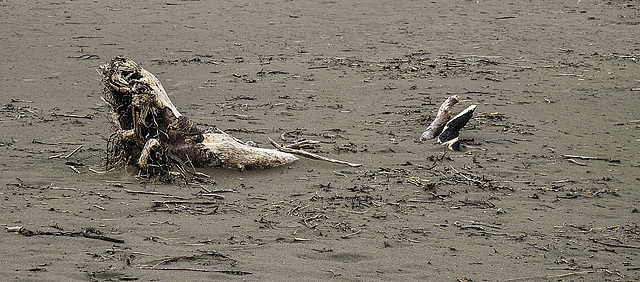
pixel 156 193
pixel 145 192
pixel 485 224
pixel 71 116
pixel 88 234
pixel 160 203
pixel 552 276
pixel 482 184
pixel 99 172
pixel 616 245
pixel 311 155
pixel 590 158
pixel 168 259
pixel 56 156
pixel 302 144
pixel 223 191
pixel 72 153
pixel 75 169
pixel 466 177
pixel 43 142
pixel 347 236
pixel 232 272
pixel 217 196
pixel 576 162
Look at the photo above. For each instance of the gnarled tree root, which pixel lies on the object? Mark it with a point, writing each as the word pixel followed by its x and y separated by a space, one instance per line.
pixel 152 134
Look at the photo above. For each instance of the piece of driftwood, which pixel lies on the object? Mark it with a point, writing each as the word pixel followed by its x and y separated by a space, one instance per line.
pixel 443 116
pixel 152 134
pixel 451 131
pixel 310 155
pixel 444 127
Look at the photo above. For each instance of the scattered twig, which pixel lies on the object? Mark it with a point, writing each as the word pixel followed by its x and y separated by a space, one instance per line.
pixel 484 224
pixel 217 196
pixel 72 152
pixel 590 158
pixel 232 272
pixel 576 162
pixel 87 233
pixel 154 193
pixel 95 234
pixel 302 144
pixel 482 184
pixel 616 245
pixel 347 236
pixel 145 192
pixel 169 259
pixel 71 116
pixel 85 57
pixel 160 203
pixel 311 155
pixel 63 156
pixel 552 276
pixel 74 169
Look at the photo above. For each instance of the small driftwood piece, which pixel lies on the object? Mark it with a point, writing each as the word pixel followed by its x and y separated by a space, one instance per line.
pixel 590 158
pixel 87 233
pixel 310 155
pixel 615 245
pixel 153 135
pixel 443 116
pixel 451 131
pixel 445 128
pixel 231 272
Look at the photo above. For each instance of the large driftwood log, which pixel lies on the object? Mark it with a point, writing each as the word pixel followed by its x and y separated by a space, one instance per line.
pixel 153 135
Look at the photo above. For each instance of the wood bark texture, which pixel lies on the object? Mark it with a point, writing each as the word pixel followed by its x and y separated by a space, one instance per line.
pixel 151 134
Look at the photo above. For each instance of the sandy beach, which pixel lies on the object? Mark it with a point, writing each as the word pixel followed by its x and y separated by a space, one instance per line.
pixel 545 188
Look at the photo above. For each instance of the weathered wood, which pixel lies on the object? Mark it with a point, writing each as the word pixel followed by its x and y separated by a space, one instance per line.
pixel 240 156
pixel 451 131
pixel 153 135
pixel 443 116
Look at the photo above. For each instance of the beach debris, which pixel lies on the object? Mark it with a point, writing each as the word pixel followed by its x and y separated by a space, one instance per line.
pixel 291 149
pixel 445 128
pixel 590 158
pixel 231 272
pixel 153 264
pixel 152 134
pixel 91 233
pixel 443 116
pixel 451 131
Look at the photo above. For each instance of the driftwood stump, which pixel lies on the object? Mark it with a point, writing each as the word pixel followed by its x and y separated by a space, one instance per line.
pixel 150 132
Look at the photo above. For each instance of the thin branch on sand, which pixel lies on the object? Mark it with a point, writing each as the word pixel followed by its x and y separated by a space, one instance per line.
pixel 310 155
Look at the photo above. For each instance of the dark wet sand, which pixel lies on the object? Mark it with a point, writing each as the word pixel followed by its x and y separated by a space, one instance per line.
pixel 550 78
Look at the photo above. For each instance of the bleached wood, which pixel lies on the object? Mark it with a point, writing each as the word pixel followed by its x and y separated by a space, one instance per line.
pixel 443 116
